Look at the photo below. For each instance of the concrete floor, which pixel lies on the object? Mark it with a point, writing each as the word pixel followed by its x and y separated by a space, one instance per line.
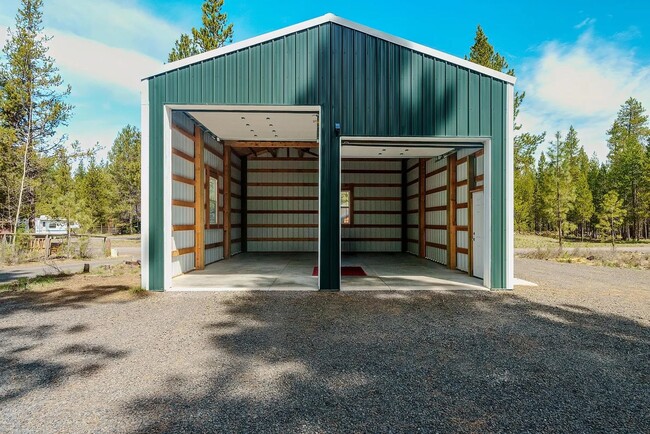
pixel 293 272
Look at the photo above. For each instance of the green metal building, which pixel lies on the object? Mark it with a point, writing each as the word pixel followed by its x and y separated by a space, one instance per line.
pixel 253 147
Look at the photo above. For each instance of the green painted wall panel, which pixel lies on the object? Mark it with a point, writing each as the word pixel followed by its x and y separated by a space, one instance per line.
pixel 369 85
pixel 439 84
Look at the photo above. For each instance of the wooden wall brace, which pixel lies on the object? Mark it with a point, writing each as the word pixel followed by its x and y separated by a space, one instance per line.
pixel 451 211
pixel 422 207
pixel 199 201
pixel 226 201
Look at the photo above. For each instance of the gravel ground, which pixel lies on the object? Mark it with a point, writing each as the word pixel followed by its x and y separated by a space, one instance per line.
pixel 557 358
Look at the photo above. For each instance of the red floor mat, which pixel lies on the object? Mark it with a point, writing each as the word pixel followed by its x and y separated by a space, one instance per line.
pixel 345 271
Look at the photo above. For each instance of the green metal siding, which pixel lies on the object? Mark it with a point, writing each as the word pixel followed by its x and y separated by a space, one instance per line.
pixel 371 86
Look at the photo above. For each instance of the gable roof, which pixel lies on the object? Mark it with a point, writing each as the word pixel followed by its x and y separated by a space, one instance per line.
pixel 331 18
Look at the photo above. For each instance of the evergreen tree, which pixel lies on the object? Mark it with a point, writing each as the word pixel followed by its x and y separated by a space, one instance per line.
pixel 597 178
pixel 543 208
pixel 100 193
pixel 214 33
pixel 524 180
pixel 124 167
pixel 525 145
pixel 560 191
pixel 627 139
pixel 483 53
pixel 583 207
pixel 59 195
pixel 32 103
pixel 611 215
pixel 578 163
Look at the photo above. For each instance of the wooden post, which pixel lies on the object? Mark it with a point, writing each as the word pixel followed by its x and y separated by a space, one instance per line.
pixel 422 197
pixel 199 214
pixel 471 183
pixel 226 201
pixel 405 241
pixel 244 204
pixel 47 246
pixel 451 211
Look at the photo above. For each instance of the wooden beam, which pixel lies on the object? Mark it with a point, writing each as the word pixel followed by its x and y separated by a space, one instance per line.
pixel 404 200
pixel 270 144
pixel 183 155
pixel 226 201
pixel 199 189
pixel 422 186
pixel 451 211
pixel 470 243
pixel 243 217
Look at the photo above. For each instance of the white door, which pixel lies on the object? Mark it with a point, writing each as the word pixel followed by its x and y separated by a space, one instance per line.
pixel 477 233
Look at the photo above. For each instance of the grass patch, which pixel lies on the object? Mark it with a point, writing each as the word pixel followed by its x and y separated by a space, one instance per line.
pixel 27 284
pixel 138 291
pixel 534 241
pixel 606 258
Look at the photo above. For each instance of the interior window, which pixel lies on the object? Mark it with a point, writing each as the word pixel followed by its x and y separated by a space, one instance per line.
pixel 213 200
pixel 346 207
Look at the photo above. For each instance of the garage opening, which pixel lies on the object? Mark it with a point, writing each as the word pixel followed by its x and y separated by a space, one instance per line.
pixel 409 211
pixel 244 198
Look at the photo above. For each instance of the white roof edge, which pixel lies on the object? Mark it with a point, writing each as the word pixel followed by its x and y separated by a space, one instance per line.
pixel 327 18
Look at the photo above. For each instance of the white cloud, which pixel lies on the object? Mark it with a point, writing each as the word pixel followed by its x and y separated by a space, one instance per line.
pixel 586 22
pixel 96 61
pixel 582 84
pixel 117 23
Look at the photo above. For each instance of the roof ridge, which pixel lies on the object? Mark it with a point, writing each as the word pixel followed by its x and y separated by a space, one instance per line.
pixel 331 18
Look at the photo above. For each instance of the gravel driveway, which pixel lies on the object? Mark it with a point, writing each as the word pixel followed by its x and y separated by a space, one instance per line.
pixel 545 359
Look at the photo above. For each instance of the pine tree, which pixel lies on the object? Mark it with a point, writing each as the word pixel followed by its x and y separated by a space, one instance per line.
pixel 214 33
pixel 611 215
pixel 483 53
pixel 99 193
pixel 627 154
pixel 583 207
pixel 524 180
pixel 124 167
pixel 525 145
pixel 32 105
pixel 560 190
pixel 543 208
pixel 59 195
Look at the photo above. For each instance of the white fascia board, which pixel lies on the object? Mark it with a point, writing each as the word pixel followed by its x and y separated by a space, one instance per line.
pixel 144 182
pixel 510 194
pixel 331 18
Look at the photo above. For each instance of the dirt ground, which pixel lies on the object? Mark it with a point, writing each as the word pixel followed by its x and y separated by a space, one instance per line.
pixel 88 353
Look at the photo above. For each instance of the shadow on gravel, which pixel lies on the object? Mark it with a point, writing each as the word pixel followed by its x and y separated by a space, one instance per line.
pixel 56 298
pixel 429 361
pixel 21 372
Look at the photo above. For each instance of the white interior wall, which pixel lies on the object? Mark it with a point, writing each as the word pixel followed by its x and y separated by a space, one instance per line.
pixel 436 210
pixel 282 205
pixel 182 191
pixel 376 186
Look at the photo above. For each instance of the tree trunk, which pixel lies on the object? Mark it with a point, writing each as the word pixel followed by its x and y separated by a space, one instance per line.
pixel 24 175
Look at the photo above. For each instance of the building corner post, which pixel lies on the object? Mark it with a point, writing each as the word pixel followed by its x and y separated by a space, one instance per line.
pixel 144 184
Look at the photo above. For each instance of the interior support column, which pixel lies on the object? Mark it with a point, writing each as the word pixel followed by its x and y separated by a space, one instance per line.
pixel 199 200
pixel 244 204
pixel 451 211
pixel 422 211
pixel 404 205
pixel 226 201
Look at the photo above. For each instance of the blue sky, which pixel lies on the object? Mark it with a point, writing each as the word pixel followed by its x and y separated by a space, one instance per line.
pixel 577 60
